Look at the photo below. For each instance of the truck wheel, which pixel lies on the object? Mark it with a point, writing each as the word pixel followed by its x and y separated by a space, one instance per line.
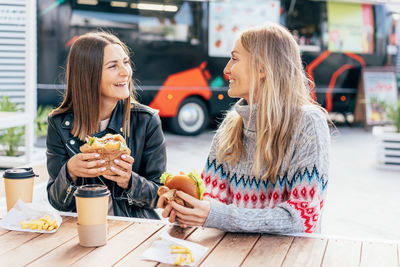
pixel 191 119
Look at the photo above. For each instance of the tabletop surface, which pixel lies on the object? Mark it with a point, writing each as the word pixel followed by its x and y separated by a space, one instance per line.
pixel 127 240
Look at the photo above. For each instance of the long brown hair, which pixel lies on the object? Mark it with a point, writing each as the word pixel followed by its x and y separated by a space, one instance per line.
pixel 83 78
pixel 279 98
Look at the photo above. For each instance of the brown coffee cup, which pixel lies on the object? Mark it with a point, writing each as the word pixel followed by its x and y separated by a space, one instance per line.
pixel 92 206
pixel 18 183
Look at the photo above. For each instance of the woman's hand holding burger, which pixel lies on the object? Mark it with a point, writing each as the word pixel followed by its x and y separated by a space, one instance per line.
pixel 182 199
pixel 85 165
pixel 108 156
pixel 123 172
pixel 195 216
pixel 89 165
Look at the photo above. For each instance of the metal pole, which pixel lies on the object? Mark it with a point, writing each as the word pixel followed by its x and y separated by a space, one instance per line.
pixel 31 76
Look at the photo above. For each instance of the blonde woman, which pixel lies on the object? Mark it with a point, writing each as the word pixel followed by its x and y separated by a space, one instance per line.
pixel 267 170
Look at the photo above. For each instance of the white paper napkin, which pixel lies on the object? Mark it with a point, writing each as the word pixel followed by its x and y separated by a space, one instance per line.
pixel 29 211
pixel 160 250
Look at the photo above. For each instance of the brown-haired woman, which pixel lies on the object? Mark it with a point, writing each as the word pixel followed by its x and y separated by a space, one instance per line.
pixel 267 170
pixel 99 100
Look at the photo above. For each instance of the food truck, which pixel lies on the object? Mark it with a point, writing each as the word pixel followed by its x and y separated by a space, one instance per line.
pixel 180 48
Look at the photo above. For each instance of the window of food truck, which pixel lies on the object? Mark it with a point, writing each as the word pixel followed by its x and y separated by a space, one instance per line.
pixel 351 27
pixel 336 26
pixel 166 27
pixel 152 22
pixel 307 22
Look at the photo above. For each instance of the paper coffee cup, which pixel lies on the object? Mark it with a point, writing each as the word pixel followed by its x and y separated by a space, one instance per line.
pixel 18 183
pixel 92 207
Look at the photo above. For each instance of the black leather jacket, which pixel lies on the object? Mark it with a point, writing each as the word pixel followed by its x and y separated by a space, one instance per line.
pixel 147 144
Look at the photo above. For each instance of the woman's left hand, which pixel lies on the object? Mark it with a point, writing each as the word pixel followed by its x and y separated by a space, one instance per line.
pixel 195 216
pixel 123 174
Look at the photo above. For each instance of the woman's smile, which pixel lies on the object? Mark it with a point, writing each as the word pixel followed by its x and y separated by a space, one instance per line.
pixel 116 74
pixel 238 71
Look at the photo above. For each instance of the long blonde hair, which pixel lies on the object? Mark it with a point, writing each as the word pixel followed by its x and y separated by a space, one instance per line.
pixel 279 88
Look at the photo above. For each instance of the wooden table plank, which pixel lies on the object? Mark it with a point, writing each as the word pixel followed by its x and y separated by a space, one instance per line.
pixel 71 251
pixel 13 239
pixel 305 251
pixel 120 245
pixel 133 258
pixel 3 231
pixel 232 250
pixel 379 254
pixel 207 237
pixel 39 246
pixel 128 240
pixel 270 250
pixel 344 253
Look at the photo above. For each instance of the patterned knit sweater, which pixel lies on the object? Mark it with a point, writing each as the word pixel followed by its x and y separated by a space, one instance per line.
pixel 241 202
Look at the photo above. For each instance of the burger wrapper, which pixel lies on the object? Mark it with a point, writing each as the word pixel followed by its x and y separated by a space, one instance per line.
pixel 170 195
pixel 106 154
pixel 160 250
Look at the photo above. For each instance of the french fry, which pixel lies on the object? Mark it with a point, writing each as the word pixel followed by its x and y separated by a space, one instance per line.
pixel 184 255
pixel 44 223
pixel 189 258
pixel 180 251
pixel 179 260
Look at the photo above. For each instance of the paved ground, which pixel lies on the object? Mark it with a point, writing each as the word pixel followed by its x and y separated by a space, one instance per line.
pixel 362 202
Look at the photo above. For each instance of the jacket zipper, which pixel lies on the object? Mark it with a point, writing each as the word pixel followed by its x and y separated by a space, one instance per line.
pixel 69 190
pixel 70 187
pixel 70 149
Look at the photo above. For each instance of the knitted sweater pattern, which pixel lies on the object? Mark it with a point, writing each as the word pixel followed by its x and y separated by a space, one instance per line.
pixel 294 203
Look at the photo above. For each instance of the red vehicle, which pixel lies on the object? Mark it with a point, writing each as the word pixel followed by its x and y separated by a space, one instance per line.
pixel 181 47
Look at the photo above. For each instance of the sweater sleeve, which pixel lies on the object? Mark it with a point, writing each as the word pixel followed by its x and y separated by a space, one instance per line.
pixel 305 183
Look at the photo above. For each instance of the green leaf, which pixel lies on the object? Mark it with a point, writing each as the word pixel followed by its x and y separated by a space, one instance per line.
pixel 91 140
pixel 164 176
pixel 41 123
pixel 10 138
pixel 122 146
pixel 200 183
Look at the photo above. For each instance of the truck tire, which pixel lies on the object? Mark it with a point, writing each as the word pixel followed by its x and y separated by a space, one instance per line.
pixel 191 119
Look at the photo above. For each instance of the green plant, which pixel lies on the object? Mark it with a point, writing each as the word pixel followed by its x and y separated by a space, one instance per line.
pixel 393 114
pixel 41 120
pixel 10 138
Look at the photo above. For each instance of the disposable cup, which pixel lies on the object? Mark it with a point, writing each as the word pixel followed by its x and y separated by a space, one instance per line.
pixel 18 183
pixel 92 207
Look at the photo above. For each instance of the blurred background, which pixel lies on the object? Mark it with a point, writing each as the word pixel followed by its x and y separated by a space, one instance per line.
pixel 350 51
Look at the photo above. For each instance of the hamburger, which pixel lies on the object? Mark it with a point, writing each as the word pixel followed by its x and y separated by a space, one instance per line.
pixel 109 147
pixel 191 184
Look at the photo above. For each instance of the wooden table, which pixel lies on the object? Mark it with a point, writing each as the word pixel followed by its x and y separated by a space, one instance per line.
pixel 128 239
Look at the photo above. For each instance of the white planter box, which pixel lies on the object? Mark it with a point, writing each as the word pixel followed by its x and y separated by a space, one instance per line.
pixel 388 148
pixel 13 161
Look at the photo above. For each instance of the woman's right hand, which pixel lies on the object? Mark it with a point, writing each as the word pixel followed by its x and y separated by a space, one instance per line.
pixel 85 165
pixel 167 212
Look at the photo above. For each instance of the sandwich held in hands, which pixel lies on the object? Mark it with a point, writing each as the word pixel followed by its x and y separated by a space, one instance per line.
pixel 191 184
pixel 109 147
